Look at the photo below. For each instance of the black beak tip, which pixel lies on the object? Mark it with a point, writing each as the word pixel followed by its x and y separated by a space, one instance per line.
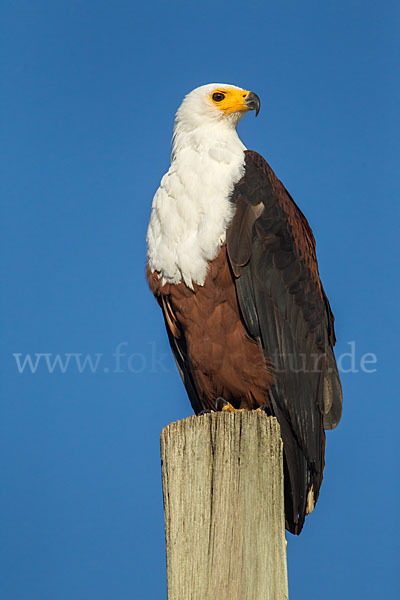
pixel 253 102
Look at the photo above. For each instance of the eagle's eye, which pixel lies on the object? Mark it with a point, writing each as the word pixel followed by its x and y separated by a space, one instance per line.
pixel 218 97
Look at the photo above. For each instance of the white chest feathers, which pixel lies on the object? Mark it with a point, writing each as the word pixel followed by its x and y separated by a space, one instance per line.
pixel 192 209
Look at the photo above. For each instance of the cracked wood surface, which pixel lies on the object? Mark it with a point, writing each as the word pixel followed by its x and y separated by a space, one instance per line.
pixel 224 509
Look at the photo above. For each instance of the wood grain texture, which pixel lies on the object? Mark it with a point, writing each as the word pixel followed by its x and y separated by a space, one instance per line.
pixel 224 508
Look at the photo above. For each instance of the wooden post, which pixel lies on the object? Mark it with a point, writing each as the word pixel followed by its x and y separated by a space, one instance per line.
pixel 224 514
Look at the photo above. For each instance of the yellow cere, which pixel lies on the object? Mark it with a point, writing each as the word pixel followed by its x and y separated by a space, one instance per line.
pixel 229 100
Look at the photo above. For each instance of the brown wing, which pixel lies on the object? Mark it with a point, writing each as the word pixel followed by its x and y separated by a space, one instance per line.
pixel 272 253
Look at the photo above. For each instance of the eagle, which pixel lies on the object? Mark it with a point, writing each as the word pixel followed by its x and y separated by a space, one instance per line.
pixel 231 261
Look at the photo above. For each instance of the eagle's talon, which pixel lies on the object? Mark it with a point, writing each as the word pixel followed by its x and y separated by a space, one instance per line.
pixel 206 411
pixel 222 405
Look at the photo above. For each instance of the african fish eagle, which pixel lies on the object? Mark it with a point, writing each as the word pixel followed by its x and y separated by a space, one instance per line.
pixel 232 264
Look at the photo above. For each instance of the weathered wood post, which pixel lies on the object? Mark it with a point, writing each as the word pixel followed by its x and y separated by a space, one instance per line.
pixel 224 513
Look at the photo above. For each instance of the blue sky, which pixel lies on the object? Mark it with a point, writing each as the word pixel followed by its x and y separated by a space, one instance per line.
pixel 89 91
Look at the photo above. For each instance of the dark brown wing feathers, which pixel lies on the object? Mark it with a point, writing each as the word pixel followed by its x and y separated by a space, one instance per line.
pixel 284 306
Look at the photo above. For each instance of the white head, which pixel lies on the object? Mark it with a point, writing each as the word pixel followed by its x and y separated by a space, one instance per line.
pixel 218 105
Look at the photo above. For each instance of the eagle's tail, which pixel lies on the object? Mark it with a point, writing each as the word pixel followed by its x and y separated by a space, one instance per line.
pixel 302 479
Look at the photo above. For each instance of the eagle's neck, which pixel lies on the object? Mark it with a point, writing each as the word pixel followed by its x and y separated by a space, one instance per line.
pixel 191 208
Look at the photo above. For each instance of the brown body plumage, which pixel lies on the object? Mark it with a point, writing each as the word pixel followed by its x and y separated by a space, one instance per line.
pixel 224 360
